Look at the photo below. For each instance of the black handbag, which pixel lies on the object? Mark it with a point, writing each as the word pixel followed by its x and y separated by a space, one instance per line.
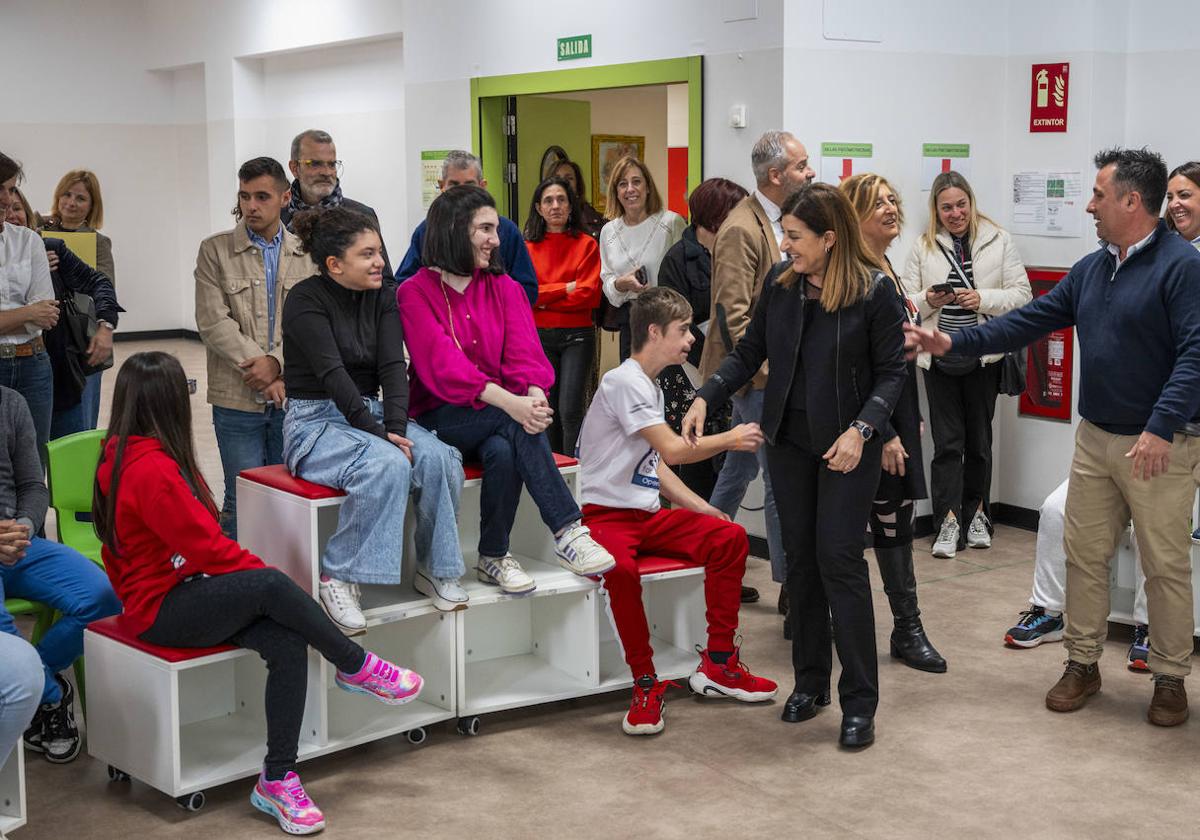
pixel 77 318
pixel 1012 366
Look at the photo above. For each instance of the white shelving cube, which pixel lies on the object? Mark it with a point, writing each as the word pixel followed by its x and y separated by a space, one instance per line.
pixel 12 790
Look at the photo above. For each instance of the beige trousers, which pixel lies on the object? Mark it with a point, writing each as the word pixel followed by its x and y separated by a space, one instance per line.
pixel 1101 499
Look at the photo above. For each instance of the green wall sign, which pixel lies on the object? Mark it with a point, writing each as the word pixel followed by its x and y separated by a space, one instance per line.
pixel 946 150
pixel 575 46
pixel 846 150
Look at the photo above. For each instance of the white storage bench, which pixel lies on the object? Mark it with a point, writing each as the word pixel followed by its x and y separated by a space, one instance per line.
pixel 12 790
pixel 1123 583
pixel 186 720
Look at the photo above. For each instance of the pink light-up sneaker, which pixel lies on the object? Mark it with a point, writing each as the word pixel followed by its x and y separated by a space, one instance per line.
pixel 286 801
pixel 388 683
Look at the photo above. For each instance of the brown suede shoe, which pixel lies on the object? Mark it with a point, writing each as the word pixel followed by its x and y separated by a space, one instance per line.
pixel 1074 687
pixel 1169 706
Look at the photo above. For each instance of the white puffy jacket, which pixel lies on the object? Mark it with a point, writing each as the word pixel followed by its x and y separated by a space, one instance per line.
pixel 996 267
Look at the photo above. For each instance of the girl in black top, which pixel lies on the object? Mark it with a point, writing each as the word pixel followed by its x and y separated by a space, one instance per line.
pixel 342 342
pixel 828 323
pixel 903 481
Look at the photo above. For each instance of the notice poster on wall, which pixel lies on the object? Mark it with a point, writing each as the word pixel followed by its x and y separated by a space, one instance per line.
pixel 841 160
pixel 937 158
pixel 431 172
pixel 1048 376
pixel 1047 203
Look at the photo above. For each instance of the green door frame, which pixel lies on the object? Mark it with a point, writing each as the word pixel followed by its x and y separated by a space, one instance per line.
pixel 485 91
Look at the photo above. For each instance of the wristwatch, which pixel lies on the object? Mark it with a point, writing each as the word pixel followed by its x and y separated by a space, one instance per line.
pixel 102 323
pixel 863 429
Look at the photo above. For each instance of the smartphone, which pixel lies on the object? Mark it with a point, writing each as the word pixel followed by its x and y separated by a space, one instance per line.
pixel 943 288
pixel 642 278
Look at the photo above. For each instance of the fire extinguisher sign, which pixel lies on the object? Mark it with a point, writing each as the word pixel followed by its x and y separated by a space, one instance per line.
pixel 1048 97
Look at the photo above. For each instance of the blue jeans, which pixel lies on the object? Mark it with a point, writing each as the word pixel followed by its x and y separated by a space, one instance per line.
pixel 368 545
pixel 20 687
pixel 82 416
pixel 739 470
pixel 511 457
pixel 33 378
pixel 63 579
pixel 245 439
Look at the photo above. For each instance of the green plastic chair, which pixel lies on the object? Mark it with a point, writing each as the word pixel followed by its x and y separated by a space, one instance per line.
pixel 71 472
pixel 70 475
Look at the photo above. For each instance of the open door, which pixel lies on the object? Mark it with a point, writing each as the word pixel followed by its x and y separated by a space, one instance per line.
pixel 542 122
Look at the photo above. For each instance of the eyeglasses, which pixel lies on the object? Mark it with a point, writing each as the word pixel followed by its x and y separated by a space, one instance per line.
pixel 335 165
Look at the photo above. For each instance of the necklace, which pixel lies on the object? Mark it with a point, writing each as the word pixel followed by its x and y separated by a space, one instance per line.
pixel 449 312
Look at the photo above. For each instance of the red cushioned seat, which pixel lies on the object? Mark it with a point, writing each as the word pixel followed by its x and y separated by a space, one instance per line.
pixel 651 565
pixel 277 476
pixel 114 628
pixel 475 471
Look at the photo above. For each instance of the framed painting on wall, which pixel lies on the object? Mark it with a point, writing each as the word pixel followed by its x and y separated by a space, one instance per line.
pixel 607 149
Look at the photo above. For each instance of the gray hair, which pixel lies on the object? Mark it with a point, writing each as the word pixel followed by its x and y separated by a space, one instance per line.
pixel 769 153
pixel 314 134
pixel 461 159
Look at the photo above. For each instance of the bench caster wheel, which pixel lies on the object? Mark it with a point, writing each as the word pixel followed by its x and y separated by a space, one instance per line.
pixel 416 736
pixel 468 726
pixel 191 802
pixel 116 775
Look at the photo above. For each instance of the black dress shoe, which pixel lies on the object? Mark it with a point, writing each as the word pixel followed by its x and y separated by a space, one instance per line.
pixel 857 732
pixel 749 595
pixel 823 699
pixel 801 706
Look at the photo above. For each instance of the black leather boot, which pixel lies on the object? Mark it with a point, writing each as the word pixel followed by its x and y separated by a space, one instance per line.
pixel 908 641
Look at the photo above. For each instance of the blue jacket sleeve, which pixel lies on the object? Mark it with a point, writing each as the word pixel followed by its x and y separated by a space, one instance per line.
pixel 78 276
pixel 516 258
pixel 412 260
pixel 1021 327
pixel 1179 400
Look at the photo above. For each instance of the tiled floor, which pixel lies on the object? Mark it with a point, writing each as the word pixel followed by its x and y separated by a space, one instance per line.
pixel 972 753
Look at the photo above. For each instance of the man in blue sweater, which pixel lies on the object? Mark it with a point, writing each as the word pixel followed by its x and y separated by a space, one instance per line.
pixel 459 168
pixel 1135 304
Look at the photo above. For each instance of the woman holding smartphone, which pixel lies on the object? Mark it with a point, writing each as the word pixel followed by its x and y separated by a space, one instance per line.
pixel 634 243
pixel 963 270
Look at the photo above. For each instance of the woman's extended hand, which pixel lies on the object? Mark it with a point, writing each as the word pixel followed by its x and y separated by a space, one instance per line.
pixel 693 422
pixel 846 451
pixel 893 456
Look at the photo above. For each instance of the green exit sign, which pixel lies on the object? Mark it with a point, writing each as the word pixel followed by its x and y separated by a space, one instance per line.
pixel 576 46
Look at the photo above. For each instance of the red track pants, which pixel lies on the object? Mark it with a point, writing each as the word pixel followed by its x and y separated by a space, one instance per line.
pixel 720 547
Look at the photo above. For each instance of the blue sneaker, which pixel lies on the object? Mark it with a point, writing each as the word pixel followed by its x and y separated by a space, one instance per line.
pixel 1139 651
pixel 1196 536
pixel 1034 627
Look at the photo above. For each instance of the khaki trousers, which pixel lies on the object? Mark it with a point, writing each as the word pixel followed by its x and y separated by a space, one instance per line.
pixel 1101 499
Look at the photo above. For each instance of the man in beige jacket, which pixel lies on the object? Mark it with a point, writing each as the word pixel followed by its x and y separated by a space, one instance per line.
pixel 242 278
pixel 746 248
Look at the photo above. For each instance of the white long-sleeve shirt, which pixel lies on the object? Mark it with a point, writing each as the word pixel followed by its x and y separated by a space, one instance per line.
pixel 623 248
pixel 24 277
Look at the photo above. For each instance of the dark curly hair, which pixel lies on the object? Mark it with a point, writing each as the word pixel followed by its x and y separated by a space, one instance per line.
pixel 328 233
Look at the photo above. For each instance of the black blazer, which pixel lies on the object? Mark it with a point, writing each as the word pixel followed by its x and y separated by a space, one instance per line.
pixel 858 374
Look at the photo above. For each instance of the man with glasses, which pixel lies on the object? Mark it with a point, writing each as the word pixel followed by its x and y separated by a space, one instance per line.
pixel 317 173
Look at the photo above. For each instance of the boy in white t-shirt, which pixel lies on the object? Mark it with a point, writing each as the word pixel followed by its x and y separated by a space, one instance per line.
pixel 625 447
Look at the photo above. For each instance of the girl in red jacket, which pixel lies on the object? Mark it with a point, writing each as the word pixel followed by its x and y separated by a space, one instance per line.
pixel 184 584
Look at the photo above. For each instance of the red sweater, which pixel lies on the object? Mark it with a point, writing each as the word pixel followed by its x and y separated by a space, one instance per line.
pixel 165 533
pixel 558 260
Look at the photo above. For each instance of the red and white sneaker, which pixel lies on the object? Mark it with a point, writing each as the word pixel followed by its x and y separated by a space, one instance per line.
pixel 733 679
pixel 645 715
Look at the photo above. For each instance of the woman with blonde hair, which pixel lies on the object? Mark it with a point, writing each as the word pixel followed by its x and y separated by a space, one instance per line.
pixel 880 217
pixel 78 207
pixel 963 270
pixel 634 242
pixel 828 323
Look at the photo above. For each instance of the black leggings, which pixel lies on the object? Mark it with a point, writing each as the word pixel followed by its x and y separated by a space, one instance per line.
pixel 265 611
